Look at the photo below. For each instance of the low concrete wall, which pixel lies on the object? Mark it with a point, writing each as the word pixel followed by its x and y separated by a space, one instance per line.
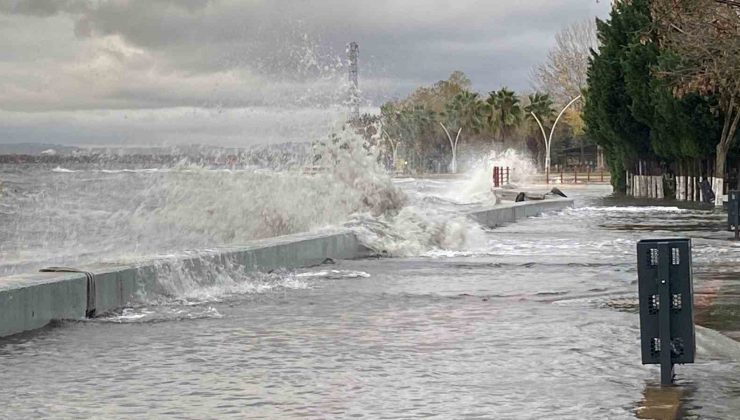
pixel 511 212
pixel 31 301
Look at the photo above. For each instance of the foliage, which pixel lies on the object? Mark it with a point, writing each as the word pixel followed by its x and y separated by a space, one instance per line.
pixel 538 111
pixel 630 109
pixel 564 73
pixel 464 112
pixel 702 38
pixel 505 112
pixel 415 124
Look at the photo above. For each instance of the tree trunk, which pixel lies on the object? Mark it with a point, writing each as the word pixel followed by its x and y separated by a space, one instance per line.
pixel 540 159
pixel 728 135
pixel 719 173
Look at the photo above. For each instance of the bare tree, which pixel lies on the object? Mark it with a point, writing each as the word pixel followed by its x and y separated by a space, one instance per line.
pixel 563 74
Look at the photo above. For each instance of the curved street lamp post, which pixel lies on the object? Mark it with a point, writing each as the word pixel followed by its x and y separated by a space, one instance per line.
pixel 548 140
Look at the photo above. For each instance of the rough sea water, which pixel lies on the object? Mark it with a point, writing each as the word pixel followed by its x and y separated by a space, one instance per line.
pixel 94 213
pixel 532 320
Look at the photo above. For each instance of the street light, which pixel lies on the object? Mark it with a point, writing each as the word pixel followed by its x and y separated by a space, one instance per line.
pixel 548 140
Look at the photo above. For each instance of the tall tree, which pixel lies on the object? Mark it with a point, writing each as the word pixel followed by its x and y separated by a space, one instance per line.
pixel 463 113
pixel 539 113
pixel 631 110
pixel 437 96
pixel 608 108
pixel 506 112
pixel 541 105
pixel 704 39
pixel 564 73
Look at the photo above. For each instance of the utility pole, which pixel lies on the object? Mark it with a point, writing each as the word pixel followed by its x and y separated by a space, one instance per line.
pixel 354 91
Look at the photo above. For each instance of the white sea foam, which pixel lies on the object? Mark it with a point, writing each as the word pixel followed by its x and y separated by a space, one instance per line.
pixel 629 209
pixel 478 180
pixel 61 170
pixel 333 274
pixel 117 215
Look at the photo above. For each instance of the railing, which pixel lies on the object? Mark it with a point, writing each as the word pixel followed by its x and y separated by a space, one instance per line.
pixel 501 176
pixel 577 175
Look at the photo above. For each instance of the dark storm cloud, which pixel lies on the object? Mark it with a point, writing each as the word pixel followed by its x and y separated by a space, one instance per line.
pixel 411 39
pixel 40 8
pixel 86 55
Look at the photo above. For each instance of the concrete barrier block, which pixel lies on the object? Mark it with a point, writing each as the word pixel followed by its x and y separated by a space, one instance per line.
pixel 30 302
pixel 115 287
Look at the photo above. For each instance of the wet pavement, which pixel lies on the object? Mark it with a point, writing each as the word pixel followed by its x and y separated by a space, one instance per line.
pixel 538 321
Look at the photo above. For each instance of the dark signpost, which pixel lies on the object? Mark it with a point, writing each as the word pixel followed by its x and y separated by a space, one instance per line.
pixel 666 304
pixel 733 212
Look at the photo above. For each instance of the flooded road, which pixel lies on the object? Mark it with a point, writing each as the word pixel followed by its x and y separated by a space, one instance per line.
pixel 538 321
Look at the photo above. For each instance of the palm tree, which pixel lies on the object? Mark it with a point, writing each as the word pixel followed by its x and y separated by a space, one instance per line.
pixel 541 105
pixel 491 116
pixel 540 112
pixel 506 112
pixel 463 113
pixel 424 122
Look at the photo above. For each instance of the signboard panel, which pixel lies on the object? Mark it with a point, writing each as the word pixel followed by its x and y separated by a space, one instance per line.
pixel 666 301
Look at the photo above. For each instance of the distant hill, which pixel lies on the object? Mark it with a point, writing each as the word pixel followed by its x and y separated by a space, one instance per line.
pixel 34 149
pixel 274 156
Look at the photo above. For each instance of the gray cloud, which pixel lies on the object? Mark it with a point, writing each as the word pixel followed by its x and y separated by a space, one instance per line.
pixel 76 55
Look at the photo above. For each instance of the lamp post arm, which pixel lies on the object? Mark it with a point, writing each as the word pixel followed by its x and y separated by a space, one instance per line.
pixel 552 130
pixel 449 137
pixel 542 129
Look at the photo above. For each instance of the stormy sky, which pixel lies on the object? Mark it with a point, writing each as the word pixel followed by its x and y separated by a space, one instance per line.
pixel 234 72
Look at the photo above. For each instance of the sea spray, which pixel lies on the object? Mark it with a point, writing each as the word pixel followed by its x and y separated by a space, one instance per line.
pixel 111 214
pixel 197 280
pixel 521 170
pixel 232 208
pixel 415 231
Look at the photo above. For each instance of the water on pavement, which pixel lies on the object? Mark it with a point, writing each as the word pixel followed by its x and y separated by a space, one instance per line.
pixel 539 321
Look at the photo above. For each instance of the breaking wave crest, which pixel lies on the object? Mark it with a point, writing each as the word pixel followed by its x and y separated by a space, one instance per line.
pixel 240 206
pixel 92 214
pixel 414 231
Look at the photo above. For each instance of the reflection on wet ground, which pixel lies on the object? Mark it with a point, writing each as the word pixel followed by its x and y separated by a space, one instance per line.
pixel 538 323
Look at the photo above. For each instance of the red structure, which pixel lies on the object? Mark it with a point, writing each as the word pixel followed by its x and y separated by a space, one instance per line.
pixel 500 176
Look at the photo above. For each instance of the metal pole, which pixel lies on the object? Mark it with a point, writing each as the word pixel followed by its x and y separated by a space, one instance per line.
pixel 547 145
pixel 552 130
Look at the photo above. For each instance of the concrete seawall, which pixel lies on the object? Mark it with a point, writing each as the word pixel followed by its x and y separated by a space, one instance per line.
pixel 31 301
pixel 510 213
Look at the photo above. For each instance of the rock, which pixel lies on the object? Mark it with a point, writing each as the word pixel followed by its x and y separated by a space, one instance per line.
pixel 556 191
